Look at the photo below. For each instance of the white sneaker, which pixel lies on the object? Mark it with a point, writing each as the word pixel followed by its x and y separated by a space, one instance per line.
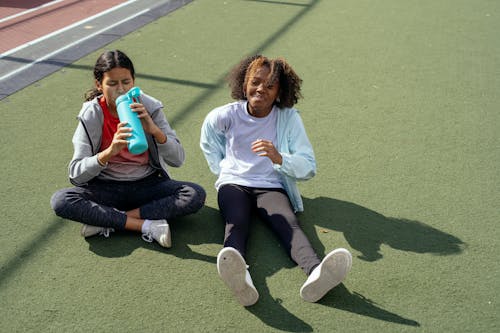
pixel 331 272
pixel 160 232
pixel 233 271
pixel 91 230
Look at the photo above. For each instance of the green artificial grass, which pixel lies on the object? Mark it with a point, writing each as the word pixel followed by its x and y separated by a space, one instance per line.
pixel 401 105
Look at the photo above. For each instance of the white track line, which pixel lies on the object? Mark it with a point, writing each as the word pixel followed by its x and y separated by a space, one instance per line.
pixel 29 10
pixel 35 41
pixel 72 44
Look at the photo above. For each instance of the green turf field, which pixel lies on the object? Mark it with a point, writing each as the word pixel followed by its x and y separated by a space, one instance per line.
pixel 401 105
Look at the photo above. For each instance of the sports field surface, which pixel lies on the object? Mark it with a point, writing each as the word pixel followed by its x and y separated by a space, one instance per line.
pixel 401 103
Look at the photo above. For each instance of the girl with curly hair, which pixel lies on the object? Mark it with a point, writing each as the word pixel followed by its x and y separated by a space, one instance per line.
pixel 259 149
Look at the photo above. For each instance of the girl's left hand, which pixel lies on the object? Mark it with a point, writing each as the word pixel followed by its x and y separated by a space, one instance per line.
pixel 266 148
pixel 146 120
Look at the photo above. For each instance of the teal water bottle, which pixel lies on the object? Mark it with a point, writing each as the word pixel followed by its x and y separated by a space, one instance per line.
pixel 137 143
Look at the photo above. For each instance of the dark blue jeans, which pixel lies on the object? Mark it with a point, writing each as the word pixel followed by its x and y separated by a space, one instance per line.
pixel 272 205
pixel 103 203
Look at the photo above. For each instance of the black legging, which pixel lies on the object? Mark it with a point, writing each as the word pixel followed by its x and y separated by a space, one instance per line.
pixel 272 205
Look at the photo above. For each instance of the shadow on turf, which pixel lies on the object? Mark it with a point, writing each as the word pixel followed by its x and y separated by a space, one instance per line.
pixel 8 269
pixel 366 230
pixel 271 312
pixel 204 227
pixel 343 299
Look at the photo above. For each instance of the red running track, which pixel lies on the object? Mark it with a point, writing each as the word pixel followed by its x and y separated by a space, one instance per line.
pixel 37 18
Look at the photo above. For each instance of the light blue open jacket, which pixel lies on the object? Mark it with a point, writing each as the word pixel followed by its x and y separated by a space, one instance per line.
pixel 293 144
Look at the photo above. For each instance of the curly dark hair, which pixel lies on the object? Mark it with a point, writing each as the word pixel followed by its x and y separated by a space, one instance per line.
pixel 106 62
pixel 281 71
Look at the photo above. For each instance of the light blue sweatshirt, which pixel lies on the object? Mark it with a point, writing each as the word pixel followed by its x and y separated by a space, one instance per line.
pixel 293 144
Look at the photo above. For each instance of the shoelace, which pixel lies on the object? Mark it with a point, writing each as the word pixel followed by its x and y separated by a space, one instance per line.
pixel 105 232
pixel 148 237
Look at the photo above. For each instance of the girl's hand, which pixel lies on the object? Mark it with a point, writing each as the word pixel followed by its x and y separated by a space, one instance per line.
pixel 266 148
pixel 147 122
pixel 119 142
pixel 120 138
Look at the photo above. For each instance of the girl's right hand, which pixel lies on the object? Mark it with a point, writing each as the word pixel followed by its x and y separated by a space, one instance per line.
pixel 120 138
pixel 119 142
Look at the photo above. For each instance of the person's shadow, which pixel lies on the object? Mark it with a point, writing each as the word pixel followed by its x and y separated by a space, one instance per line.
pixel 366 230
pixel 186 230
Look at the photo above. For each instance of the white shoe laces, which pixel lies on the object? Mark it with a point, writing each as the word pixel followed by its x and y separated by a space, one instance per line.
pixel 105 232
pixel 148 237
pixel 156 232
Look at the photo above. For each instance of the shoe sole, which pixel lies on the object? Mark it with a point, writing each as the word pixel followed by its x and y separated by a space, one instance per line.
pixel 334 269
pixel 232 270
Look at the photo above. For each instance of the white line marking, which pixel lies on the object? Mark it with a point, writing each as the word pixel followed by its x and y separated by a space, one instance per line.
pixel 72 44
pixel 30 10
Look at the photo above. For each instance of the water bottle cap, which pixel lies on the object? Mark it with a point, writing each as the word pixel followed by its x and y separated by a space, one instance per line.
pixel 134 92
pixel 129 95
